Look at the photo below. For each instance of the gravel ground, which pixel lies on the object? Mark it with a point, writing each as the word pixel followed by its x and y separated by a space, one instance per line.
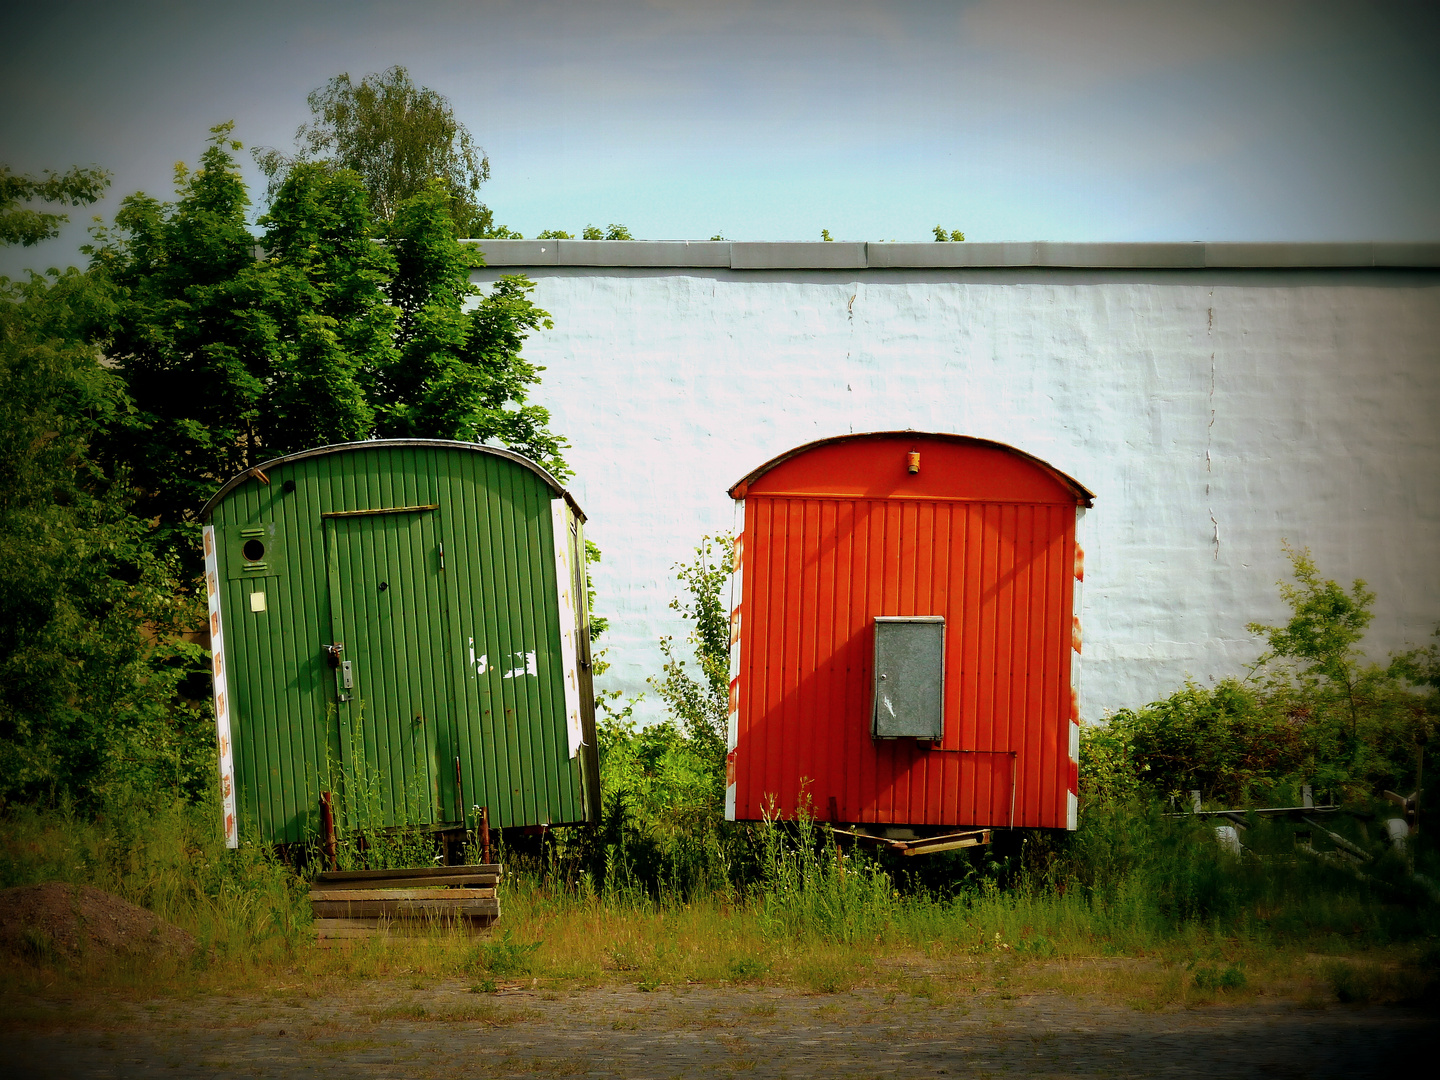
pixel 399 1028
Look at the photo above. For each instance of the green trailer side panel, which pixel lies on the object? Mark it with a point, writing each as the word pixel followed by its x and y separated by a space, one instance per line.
pixel 508 683
pixel 434 565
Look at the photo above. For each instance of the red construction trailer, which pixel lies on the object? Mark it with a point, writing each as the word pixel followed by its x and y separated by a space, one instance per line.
pixel 904 641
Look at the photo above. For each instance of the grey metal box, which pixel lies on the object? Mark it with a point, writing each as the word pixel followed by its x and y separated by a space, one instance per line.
pixel 909 678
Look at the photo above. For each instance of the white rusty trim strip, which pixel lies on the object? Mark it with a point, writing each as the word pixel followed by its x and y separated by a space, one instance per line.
pixel 737 594
pixel 1076 642
pixel 224 746
pixel 1076 637
pixel 569 649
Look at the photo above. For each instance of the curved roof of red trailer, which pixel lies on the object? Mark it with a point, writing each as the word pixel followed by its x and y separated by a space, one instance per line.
pixel 843 465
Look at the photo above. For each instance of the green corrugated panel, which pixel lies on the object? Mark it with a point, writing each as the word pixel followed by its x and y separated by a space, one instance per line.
pixel 460 663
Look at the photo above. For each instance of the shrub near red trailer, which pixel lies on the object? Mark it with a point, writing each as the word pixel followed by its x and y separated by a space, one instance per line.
pixel 890 588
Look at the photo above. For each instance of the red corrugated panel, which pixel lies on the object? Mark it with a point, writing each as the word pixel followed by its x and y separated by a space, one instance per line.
pixel 841 533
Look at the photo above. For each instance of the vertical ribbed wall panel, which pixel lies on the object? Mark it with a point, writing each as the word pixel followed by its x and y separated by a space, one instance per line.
pixel 818 571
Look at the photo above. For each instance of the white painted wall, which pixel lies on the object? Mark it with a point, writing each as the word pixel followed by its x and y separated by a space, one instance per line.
pixel 1214 413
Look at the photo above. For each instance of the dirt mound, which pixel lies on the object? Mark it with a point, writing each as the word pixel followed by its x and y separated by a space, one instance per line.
pixel 56 919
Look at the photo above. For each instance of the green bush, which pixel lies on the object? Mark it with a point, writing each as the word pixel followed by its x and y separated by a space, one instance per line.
pixel 1312 711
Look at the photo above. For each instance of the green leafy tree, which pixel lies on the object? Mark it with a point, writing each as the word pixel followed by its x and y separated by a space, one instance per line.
pixel 328 325
pixel 90 656
pixel 1326 626
pixel 331 337
pixel 191 338
pixel 953 236
pixel 27 226
pixel 458 374
pixel 398 137
pixel 1419 667
pixel 594 232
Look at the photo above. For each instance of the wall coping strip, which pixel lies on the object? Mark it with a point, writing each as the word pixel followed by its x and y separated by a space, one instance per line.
pixel 807 255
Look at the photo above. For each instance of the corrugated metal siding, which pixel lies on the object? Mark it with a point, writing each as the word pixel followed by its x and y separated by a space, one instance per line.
pixel 817 570
pixel 506 723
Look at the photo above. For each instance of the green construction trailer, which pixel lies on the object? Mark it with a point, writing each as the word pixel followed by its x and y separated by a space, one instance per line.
pixel 403 621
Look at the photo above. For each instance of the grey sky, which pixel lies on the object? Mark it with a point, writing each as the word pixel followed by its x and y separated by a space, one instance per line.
pixel 1010 119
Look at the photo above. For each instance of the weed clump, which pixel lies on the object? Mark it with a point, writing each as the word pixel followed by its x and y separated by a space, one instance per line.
pixel 505 957
pixel 1210 977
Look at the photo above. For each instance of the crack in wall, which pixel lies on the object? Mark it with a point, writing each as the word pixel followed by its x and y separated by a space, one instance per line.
pixel 1210 426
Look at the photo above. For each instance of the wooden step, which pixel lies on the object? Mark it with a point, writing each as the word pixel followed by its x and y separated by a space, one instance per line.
pixel 416 901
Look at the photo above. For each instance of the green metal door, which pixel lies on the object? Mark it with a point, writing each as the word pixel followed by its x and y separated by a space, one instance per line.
pixel 395 717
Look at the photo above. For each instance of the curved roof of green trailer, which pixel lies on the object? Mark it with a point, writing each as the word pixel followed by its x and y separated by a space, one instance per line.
pixel 259 471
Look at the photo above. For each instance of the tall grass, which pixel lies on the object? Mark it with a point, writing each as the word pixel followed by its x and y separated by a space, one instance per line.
pixel 818 914
pixel 810 887
pixel 1132 880
pixel 367 804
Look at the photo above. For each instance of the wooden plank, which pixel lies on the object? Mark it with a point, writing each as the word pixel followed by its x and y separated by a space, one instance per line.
pixel 349 929
pixel 409 925
pixel 381 510
pixel 330 938
pixel 947 842
pixel 478 874
pixel 411 872
pixel 948 845
pixel 406 883
pixel 401 894
pixel 403 909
